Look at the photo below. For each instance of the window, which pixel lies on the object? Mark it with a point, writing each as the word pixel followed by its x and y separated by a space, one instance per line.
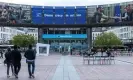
pixel 121 30
pixel 124 29
pixel 84 31
pixel 50 32
pixel 45 31
pixel 51 41
pixel 96 34
pixel 73 32
pixel 1 35
pixel 93 34
pixel 35 34
pixel 62 32
pixel 57 32
pixel 2 29
pixel 127 28
pixel 125 35
pixel 79 32
pixel 129 35
pixel 93 38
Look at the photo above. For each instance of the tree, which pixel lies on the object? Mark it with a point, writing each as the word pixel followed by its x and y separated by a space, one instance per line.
pixel 23 40
pixel 107 39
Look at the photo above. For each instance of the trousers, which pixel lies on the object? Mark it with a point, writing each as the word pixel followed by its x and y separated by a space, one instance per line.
pixel 8 68
pixel 17 67
pixel 31 67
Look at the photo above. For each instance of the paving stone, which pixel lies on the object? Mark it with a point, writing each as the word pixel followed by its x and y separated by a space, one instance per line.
pixel 69 71
pixel 118 71
pixel 58 67
pixel 45 68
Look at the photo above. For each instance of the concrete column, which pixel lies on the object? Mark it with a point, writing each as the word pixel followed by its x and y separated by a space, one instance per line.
pixel 89 37
pixel 40 33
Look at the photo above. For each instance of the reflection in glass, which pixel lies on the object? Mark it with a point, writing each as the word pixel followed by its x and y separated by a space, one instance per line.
pixel 43 50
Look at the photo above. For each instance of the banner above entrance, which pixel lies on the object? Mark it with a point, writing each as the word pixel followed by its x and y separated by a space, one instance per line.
pixel 64 29
pixel 57 36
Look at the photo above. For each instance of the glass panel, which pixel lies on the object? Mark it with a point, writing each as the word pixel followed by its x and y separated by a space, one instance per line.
pixel 73 32
pixel 62 32
pixel 42 50
pixel 57 32
pixel 79 32
pixel 50 32
pixel 84 32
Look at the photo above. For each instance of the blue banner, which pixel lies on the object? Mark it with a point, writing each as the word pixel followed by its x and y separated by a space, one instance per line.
pixel 37 15
pixel 70 15
pixel 117 12
pixel 59 15
pixel 58 36
pixel 81 15
pixel 48 15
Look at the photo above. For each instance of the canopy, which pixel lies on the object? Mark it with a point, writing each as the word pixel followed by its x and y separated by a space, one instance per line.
pixel 64 2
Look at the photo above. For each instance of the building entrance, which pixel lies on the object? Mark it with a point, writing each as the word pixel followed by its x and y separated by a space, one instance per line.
pixel 64 47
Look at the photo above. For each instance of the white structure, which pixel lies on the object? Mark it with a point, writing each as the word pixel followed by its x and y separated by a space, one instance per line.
pixel 32 31
pixel 42 49
pixel 125 32
pixel 7 33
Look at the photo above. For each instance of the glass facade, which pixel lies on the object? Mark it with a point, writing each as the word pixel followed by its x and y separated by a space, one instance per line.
pixel 62 40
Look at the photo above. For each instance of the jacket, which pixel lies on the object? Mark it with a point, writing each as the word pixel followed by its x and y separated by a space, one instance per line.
pixel 16 56
pixel 30 54
pixel 8 57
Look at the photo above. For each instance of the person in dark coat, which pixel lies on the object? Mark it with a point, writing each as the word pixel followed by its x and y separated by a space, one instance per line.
pixel 16 57
pixel 8 60
pixel 71 51
pixel 1 52
pixel 30 56
pixel 108 52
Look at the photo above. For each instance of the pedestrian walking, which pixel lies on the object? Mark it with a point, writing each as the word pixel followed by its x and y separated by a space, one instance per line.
pixel 71 52
pixel 1 52
pixel 16 57
pixel 30 56
pixel 8 60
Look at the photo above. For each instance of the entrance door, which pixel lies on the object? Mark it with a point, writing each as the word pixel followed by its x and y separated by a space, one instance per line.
pixel 64 47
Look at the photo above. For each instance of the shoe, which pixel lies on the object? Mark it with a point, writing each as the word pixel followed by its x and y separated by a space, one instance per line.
pixel 13 74
pixel 16 76
pixel 30 76
pixel 33 76
pixel 8 76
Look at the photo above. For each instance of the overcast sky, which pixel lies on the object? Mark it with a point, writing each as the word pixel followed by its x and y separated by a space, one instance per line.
pixel 64 2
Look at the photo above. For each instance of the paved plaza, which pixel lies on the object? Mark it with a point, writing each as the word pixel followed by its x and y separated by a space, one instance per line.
pixel 58 67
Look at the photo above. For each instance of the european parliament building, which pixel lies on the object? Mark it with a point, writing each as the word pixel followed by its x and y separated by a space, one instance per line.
pixel 64 38
pixel 59 37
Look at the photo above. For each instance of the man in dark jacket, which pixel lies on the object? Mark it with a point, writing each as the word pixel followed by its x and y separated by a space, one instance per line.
pixel 16 57
pixel 30 56
pixel 8 60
